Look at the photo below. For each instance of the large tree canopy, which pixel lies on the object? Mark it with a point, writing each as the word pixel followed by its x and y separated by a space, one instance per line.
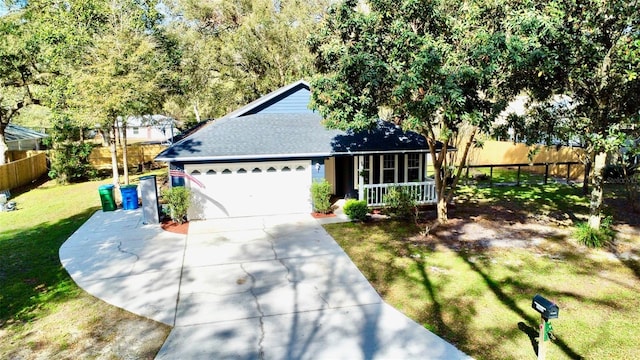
pixel 430 66
pixel 38 38
pixel 238 50
pixel 112 59
pixel 23 68
pixel 582 72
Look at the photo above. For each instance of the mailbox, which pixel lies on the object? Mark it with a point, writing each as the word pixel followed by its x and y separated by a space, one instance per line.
pixel 545 307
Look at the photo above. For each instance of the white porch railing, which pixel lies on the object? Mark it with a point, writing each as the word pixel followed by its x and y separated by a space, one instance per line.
pixel 424 193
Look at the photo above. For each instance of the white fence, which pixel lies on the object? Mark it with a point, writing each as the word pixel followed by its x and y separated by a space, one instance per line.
pixel 423 192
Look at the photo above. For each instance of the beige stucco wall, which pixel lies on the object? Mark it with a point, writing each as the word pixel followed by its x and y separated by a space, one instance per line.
pixel 330 173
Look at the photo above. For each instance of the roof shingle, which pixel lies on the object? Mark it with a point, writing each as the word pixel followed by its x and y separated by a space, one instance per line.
pixel 262 136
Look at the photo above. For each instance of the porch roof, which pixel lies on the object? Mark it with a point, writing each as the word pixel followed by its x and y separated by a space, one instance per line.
pixel 17 133
pixel 298 135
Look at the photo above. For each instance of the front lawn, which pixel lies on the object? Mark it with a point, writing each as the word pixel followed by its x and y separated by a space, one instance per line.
pixel 43 314
pixel 478 296
pixel 505 175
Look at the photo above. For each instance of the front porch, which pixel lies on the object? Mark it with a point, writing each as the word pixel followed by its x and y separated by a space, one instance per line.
pixel 370 176
pixel 423 193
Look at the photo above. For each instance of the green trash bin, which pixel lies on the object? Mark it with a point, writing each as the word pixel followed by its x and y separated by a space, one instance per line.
pixel 106 197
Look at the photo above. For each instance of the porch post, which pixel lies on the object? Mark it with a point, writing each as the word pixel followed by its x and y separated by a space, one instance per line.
pixel 360 178
pixel 406 167
pixel 426 165
pixel 396 165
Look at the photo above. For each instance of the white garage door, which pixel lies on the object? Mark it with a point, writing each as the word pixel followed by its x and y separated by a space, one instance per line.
pixel 248 189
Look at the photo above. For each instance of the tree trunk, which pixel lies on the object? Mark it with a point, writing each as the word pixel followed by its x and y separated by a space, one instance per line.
pixel 462 164
pixel 114 157
pixel 440 184
pixel 196 112
pixel 595 205
pixel 588 162
pixel 3 145
pixel 596 202
pixel 125 159
pixel 442 211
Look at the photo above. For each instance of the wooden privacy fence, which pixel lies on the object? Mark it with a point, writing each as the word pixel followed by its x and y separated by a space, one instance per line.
pixel 565 169
pixel 100 157
pixel 22 172
pixel 15 155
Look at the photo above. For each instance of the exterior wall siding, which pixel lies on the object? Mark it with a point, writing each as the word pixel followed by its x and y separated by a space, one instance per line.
pixel 317 170
pixel 295 103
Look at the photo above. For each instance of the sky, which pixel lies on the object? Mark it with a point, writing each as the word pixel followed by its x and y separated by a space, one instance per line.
pixel 4 9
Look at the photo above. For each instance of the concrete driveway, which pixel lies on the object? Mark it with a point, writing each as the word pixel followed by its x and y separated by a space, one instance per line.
pixel 244 288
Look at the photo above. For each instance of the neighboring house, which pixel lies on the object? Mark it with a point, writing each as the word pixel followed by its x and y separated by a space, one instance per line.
pixel 559 108
pixel 262 159
pixel 153 128
pixel 21 138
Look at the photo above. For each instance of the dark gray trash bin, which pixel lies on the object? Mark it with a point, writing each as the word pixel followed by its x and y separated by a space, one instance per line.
pixel 149 196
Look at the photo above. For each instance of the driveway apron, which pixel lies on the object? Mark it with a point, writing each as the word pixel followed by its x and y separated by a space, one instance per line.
pixel 276 287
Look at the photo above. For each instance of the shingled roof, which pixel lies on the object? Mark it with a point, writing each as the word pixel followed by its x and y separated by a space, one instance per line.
pixel 279 125
pixel 278 136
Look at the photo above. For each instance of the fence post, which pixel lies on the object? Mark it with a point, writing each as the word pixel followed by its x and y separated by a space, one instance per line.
pixel 568 172
pixel 546 172
pixel 518 181
pixel 491 176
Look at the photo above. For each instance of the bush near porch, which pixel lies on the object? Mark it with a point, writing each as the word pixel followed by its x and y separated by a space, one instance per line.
pixel 479 296
pixel 321 197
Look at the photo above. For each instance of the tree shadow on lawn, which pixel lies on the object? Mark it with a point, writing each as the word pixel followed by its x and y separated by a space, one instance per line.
pixel 31 275
pixel 502 208
pixel 509 302
pixel 458 332
pixel 627 226
pixel 515 203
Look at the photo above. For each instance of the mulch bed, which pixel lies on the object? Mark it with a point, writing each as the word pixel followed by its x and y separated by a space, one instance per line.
pixel 322 216
pixel 175 227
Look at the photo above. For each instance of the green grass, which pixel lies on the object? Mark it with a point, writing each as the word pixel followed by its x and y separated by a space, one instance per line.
pixel 551 197
pixel 508 175
pixel 480 300
pixel 31 276
pixel 42 311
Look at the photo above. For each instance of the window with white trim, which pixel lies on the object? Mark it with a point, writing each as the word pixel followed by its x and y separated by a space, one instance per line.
pixel 413 167
pixel 366 167
pixel 388 169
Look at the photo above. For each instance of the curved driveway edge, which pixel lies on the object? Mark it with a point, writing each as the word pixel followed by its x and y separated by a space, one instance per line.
pixel 244 288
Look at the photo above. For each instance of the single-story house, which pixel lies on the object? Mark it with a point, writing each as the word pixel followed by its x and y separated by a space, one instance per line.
pixel 22 138
pixel 262 159
pixel 150 128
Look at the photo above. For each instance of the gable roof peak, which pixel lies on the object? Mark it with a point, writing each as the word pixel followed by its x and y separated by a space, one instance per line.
pixel 267 98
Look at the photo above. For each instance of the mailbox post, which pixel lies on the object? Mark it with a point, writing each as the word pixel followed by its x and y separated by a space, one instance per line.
pixel 548 310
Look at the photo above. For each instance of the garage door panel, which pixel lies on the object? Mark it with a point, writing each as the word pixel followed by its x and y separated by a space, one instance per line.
pixel 245 189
